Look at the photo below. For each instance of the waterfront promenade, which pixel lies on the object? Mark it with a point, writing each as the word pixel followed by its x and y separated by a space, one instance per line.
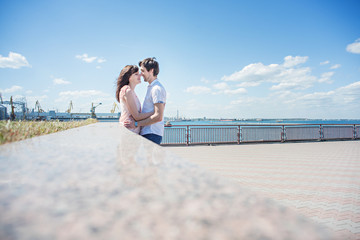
pixel 320 180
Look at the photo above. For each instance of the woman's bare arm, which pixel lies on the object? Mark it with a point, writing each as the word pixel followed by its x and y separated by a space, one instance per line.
pixel 157 116
pixel 131 104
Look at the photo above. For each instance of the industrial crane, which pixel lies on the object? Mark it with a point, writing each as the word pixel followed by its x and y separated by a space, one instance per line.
pixel 70 107
pixel 92 110
pixel 115 106
pixel 38 106
pixel 12 115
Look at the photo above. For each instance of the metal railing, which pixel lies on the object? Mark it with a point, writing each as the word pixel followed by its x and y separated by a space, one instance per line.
pixel 211 134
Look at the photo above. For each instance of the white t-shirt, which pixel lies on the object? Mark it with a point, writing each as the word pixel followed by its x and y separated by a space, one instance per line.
pixel 155 94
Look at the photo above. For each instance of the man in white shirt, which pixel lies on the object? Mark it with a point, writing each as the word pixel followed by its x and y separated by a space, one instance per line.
pixel 155 99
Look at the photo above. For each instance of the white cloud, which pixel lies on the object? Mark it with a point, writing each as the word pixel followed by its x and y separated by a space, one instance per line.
pixel 249 101
pixel 350 93
pixel 12 89
pixel 284 101
pixel 293 78
pixel 198 90
pixel 325 77
pixel 14 60
pixel 286 85
pixel 325 62
pixel 84 96
pixel 316 99
pixel 85 57
pixel 354 47
pixel 60 81
pixel 290 61
pixel 342 102
pixel 204 80
pixel 253 73
pixel 235 91
pixel 82 93
pixel 339 97
pixel 336 66
pixel 248 84
pixel 220 86
pixel 101 60
pixel 289 75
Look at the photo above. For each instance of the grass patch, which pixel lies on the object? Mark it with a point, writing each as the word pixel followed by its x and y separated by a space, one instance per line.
pixel 11 131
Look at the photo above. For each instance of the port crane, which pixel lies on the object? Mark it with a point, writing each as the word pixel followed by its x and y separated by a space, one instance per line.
pixel 115 106
pixel 12 115
pixel 38 107
pixel 92 110
pixel 70 107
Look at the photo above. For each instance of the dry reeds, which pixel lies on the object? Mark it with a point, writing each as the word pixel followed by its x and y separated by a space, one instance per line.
pixel 11 131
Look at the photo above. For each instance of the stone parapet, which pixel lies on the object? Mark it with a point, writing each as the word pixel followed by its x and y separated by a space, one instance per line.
pixel 102 181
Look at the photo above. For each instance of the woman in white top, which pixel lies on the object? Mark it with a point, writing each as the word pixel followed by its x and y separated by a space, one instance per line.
pixel 125 94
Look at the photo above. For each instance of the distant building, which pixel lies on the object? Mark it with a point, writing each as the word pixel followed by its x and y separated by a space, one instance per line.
pixel 3 112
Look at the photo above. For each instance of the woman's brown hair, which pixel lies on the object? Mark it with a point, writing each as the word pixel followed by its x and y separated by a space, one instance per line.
pixel 123 78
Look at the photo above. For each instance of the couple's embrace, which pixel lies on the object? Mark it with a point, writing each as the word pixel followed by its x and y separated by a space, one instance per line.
pixel 148 119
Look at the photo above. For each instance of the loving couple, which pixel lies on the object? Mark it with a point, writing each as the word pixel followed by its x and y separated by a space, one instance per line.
pixel 148 120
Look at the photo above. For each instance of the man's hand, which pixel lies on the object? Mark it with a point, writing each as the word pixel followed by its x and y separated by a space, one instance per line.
pixel 129 124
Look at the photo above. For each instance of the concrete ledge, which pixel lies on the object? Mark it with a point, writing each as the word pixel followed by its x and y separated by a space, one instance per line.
pixel 102 181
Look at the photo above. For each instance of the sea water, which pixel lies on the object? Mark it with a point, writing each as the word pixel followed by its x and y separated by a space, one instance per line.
pixel 267 121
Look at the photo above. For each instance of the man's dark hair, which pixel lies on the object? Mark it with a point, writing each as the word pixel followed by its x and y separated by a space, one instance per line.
pixel 150 63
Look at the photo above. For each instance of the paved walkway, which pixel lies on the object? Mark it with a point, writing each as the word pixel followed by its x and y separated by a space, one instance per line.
pixel 318 179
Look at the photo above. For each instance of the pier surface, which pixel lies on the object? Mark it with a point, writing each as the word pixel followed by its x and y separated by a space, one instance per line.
pixel 320 180
pixel 102 181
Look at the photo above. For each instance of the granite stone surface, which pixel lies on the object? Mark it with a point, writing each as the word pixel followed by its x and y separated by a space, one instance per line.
pixel 102 181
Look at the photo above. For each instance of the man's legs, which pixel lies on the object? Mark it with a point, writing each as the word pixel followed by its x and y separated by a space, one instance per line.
pixel 153 137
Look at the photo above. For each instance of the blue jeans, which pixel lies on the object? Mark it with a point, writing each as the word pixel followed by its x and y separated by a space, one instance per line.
pixel 153 137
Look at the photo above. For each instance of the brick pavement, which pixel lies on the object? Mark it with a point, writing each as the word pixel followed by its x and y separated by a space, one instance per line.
pixel 320 180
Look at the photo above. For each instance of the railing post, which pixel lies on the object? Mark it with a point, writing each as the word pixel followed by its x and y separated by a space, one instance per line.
pixel 354 132
pixel 321 133
pixel 283 134
pixel 187 135
pixel 238 135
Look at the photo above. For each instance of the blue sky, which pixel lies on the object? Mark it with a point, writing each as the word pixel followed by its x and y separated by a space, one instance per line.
pixel 221 59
